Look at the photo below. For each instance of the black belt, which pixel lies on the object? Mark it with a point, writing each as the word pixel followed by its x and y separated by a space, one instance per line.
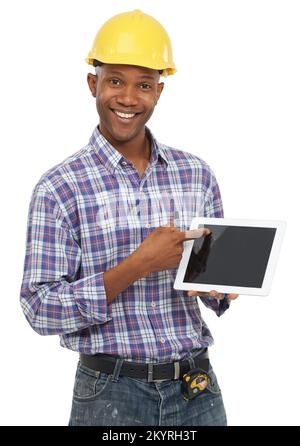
pixel 152 372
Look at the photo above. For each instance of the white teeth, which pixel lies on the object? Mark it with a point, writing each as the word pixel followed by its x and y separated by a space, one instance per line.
pixel 124 115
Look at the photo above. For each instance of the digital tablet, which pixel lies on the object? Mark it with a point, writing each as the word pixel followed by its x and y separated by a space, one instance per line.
pixel 231 256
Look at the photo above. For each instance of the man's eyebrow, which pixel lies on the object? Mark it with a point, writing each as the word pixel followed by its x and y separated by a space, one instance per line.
pixel 147 76
pixel 141 76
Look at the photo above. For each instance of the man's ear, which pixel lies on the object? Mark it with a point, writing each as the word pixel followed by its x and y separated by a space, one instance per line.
pixel 92 82
pixel 160 88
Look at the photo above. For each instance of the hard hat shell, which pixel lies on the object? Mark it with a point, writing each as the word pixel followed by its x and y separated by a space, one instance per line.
pixel 133 38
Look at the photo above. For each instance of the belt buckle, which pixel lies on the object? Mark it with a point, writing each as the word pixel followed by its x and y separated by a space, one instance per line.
pixel 176 369
pixel 150 373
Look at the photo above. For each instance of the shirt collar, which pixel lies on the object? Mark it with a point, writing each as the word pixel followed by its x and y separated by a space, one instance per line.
pixel 111 157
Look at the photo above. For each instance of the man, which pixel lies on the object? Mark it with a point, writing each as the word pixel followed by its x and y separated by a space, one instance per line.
pixel 101 277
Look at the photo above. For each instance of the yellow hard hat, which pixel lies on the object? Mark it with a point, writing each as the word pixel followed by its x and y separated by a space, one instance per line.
pixel 133 38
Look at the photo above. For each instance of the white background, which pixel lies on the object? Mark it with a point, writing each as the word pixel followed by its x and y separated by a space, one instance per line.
pixel 234 102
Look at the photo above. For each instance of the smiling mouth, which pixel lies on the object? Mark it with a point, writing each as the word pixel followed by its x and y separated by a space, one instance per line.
pixel 125 117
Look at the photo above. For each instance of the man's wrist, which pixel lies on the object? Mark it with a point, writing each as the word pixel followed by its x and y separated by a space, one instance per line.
pixel 139 264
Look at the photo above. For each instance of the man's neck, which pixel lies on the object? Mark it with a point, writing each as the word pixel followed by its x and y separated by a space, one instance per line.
pixel 137 150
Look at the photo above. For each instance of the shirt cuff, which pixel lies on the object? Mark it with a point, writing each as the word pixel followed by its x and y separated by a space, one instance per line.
pixel 90 298
pixel 219 306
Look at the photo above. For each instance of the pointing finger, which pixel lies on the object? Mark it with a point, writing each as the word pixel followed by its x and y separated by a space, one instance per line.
pixel 196 233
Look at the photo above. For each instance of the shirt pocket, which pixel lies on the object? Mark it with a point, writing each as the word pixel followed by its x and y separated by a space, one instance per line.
pixel 110 227
pixel 181 205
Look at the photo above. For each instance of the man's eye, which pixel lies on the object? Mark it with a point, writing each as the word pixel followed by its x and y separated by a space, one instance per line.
pixel 114 81
pixel 146 86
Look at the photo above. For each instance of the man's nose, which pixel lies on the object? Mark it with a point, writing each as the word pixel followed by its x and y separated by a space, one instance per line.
pixel 127 96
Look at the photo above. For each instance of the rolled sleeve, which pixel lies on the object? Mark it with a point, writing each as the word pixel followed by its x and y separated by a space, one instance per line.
pixel 90 297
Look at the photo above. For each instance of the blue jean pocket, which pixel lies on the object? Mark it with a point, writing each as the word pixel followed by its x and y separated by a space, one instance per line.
pixel 89 384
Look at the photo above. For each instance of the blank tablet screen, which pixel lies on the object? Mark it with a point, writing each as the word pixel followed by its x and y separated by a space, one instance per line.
pixel 230 255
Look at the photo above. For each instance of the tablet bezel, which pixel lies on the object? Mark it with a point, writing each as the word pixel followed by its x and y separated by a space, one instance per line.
pixel 199 222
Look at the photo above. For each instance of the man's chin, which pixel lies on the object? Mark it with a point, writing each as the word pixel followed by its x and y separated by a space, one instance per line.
pixel 125 135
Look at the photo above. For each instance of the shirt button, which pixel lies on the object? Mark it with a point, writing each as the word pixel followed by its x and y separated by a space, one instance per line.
pixel 162 340
pixel 153 304
pixel 148 225
pixel 124 163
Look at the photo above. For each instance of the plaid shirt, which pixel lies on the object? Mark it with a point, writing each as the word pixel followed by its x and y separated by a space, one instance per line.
pixel 86 215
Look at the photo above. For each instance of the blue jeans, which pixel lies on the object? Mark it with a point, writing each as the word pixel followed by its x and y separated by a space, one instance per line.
pixel 98 401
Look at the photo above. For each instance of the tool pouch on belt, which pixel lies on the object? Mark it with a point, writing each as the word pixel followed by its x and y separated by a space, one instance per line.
pixel 194 383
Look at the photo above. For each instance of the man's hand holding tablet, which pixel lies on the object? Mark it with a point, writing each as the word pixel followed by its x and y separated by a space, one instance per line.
pixel 212 293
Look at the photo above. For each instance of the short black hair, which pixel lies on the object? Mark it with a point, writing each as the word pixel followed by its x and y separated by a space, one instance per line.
pixel 97 63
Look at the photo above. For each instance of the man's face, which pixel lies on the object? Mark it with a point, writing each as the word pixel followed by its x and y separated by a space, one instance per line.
pixel 124 89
